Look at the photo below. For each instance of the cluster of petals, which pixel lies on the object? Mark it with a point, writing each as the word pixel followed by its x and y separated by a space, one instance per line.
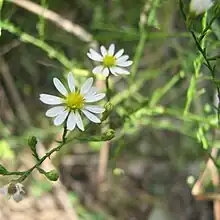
pixel 72 103
pixel 110 61
pixel 62 109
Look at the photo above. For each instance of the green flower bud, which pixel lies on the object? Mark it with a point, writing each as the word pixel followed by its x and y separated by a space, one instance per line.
pixel 108 135
pixel 32 142
pixel 52 175
pixel 108 108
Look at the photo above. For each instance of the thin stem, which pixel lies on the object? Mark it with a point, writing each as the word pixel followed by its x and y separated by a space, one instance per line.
pixel 42 159
pixel 25 174
pixel 108 90
pixel 198 41
pixel 65 132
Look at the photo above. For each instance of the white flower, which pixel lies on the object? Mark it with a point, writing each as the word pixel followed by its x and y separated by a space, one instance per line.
pixel 14 190
pixel 73 102
pixel 200 6
pixel 111 62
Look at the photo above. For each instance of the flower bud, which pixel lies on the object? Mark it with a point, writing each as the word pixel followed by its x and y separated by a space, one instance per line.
pixel 52 175
pixel 109 135
pixel 32 142
pixel 108 108
pixel 198 7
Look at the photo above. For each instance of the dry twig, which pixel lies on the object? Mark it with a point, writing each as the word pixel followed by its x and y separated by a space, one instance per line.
pixel 48 14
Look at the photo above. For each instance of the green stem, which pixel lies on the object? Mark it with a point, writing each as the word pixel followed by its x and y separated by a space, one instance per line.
pixel 138 53
pixel 108 90
pixel 25 174
pixel 65 131
pixel 42 159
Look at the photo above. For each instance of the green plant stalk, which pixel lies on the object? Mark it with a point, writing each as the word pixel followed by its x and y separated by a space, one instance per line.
pixel 200 45
pixel 41 23
pixel 37 165
pixel 108 90
pixel 51 52
pixel 159 93
pixel 24 174
pixel 138 53
pixel 176 113
pixel 202 138
pixel 197 66
pixel 146 75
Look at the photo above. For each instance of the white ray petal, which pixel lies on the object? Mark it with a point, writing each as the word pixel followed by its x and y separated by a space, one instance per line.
pixel 71 82
pixel 60 118
pixel 52 112
pixel 111 50
pixel 119 70
pixel 98 69
pixel 95 109
pixel 103 51
pixel 51 99
pixel 125 63
pixel 91 116
pixel 79 121
pixel 105 71
pixel 95 55
pixel 119 53
pixel 86 86
pixel 112 70
pixel 59 86
pixel 122 59
pixel 92 91
pixel 71 121
pixel 94 98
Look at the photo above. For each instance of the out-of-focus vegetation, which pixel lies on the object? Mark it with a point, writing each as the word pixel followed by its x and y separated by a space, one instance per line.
pixel 164 113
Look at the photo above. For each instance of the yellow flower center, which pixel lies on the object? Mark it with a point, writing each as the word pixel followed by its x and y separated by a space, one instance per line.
pixel 109 61
pixel 75 100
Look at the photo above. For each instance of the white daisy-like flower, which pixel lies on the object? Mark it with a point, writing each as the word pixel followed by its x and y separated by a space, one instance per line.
pixel 14 190
pixel 200 6
pixel 73 102
pixel 111 62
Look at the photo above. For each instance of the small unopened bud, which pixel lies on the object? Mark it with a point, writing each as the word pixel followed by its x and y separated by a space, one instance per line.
pixel 32 142
pixel 52 175
pixel 108 108
pixel 109 135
